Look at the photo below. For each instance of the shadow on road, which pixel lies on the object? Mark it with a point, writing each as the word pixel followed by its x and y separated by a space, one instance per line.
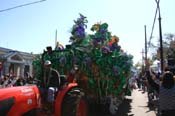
pixel 123 110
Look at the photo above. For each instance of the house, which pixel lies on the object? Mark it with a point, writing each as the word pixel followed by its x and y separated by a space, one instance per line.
pixel 15 62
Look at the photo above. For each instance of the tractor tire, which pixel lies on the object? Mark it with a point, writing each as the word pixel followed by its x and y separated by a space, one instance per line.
pixel 32 112
pixel 74 104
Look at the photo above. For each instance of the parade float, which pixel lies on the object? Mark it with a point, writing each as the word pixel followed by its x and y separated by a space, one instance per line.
pixel 95 61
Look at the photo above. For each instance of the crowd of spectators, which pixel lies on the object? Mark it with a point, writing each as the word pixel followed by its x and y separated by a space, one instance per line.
pixel 10 80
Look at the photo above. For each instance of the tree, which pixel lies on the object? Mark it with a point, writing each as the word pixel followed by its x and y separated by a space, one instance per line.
pixel 168 42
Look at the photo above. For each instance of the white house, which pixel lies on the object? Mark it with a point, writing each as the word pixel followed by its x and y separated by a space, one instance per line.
pixel 15 62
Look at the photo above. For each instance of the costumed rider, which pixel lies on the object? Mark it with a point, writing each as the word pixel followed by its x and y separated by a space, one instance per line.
pixel 49 85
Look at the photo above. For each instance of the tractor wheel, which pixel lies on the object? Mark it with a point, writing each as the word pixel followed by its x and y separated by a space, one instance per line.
pixel 32 112
pixel 73 103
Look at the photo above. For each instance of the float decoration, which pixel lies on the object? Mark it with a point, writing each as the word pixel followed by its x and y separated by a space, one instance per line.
pixel 96 60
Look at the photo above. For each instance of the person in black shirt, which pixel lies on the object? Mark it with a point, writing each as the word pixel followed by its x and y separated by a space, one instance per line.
pixel 49 85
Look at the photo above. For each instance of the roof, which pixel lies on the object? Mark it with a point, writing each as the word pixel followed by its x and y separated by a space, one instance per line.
pixel 5 53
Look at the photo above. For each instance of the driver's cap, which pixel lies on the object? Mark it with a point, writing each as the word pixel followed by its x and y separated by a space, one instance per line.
pixel 47 62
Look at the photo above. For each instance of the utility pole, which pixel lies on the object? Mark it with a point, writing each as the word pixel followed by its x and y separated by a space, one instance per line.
pixel 160 35
pixel 145 44
pixel 142 59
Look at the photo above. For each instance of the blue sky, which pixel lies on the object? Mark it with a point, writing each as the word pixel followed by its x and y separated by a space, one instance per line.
pixel 32 28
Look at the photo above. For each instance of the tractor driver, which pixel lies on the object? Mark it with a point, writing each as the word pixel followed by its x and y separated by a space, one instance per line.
pixel 49 85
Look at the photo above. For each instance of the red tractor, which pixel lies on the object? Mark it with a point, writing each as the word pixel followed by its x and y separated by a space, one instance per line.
pixel 26 101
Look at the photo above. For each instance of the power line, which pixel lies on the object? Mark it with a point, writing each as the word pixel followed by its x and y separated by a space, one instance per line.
pixel 152 28
pixel 21 6
pixel 157 1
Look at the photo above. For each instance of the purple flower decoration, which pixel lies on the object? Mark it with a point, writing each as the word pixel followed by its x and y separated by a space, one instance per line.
pixel 81 21
pixel 62 60
pixel 78 30
pixel 96 42
pixel 105 49
pixel 87 61
pixel 103 33
pixel 116 70
pixel 115 47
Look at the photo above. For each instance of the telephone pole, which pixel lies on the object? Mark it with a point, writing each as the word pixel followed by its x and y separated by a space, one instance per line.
pixel 143 59
pixel 160 35
pixel 145 44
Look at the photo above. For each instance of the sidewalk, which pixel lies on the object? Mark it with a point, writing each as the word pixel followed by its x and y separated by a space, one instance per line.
pixel 138 104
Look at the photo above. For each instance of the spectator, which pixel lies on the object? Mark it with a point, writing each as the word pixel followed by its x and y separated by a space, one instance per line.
pixel 29 78
pixel 166 91
pixel 20 81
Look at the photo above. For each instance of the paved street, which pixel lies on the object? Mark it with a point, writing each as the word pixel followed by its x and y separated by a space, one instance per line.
pixel 139 104
pixel 134 105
